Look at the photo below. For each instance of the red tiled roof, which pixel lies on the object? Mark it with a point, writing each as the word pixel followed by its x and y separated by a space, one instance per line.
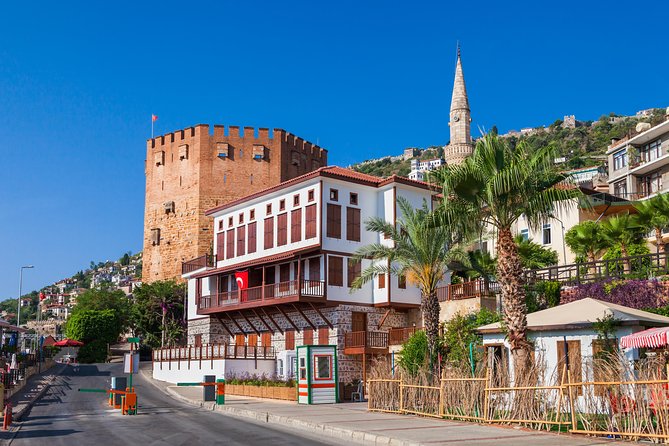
pixel 329 172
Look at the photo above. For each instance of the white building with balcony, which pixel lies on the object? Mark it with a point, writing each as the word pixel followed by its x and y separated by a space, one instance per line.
pixel 419 168
pixel 294 243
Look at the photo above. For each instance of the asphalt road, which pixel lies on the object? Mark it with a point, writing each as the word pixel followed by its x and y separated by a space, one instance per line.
pixel 65 416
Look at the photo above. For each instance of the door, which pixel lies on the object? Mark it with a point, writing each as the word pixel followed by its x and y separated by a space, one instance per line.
pixel 358 321
pixel 198 340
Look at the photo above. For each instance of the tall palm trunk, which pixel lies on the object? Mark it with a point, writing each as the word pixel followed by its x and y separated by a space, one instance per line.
pixel 510 277
pixel 430 310
pixel 626 264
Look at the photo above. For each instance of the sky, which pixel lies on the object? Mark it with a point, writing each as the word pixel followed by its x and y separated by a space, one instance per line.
pixel 79 82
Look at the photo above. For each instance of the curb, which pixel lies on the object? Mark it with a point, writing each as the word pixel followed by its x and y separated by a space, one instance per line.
pixel 360 437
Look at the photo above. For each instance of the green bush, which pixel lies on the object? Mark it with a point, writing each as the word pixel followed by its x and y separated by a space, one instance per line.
pixel 545 294
pixel 460 332
pixel 93 351
pixel 413 356
pixel 92 325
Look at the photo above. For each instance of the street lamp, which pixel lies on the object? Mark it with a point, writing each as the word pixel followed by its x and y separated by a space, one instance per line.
pixel 18 310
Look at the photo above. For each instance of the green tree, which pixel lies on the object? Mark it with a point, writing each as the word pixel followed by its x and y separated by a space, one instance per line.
pixel 493 188
pixel 653 215
pixel 418 251
pixel 460 332
pixel 106 298
pixel 159 316
pixel 414 354
pixel 621 230
pixel 533 255
pixel 585 239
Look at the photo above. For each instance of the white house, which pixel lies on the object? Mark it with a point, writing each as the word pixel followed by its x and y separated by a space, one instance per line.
pixel 573 322
pixel 293 244
pixel 418 168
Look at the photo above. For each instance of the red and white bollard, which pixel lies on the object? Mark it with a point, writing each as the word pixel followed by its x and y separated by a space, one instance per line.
pixel 8 417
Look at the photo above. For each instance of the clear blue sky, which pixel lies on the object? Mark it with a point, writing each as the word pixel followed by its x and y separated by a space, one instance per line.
pixel 79 82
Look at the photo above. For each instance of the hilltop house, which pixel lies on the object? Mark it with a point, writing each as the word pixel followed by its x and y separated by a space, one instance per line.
pixel 290 248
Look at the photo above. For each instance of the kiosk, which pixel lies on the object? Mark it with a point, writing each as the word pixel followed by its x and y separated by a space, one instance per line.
pixel 317 374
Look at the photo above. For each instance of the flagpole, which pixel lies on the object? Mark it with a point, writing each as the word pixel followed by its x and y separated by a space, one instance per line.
pixel 152 121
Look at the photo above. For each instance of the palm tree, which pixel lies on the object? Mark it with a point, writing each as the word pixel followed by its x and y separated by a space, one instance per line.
pixel 585 239
pixel 494 187
pixel 653 215
pixel 418 251
pixel 622 230
pixel 533 255
pixel 481 264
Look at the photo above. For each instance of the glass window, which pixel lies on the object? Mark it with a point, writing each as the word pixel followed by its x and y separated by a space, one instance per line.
pixel 620 159
pixel 525 234
pixel 546 234
pixel 323 369
pixel 651 151
pixel 620 188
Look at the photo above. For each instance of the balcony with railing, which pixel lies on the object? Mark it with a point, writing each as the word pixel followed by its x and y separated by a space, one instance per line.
pixel 264 295
pixel 398 336
pixel 210 352
pixel 204 261
pixel 468 290
pixel 366 342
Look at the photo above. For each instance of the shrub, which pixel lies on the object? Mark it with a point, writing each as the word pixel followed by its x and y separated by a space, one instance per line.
pixel 639 294
pixel 94 351
pixel 413 356
pixel 460 332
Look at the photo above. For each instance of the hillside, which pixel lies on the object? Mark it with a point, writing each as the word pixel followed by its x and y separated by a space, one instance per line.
pixel 583 144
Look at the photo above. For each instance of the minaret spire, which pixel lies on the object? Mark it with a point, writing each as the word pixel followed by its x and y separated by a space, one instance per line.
pixel 460 146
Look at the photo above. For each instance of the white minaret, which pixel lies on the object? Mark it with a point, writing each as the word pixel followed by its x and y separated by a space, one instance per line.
pixel 460 146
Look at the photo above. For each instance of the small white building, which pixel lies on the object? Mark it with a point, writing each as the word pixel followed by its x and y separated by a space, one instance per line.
pixel 573 323
pixel 419 168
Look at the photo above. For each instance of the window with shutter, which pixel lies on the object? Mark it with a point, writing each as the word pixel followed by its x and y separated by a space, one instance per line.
pixel 334 220
pixel 251 234
pixel 281 229
pixel 310 217
pixel 220 245
pixel 308 336
pixel 296 225
pixel 241 240
pixel 269 233
pixel 230 244
pixel 353 224
pixel 353 270
pixel 573 349
pixel 335 271
pixel 266 340
pixel 323 336
pixel 382 281
pixel 290 339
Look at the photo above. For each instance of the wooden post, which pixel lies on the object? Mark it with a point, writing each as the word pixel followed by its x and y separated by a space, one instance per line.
pixel 200 356
pixel 179 359
pixel 441 397
pixel 571 402
pixel 262 290
pixel 299 277
pixel 401 408
pixel 558 415
pixel 189 354
pixel 485 395
pixel 364 371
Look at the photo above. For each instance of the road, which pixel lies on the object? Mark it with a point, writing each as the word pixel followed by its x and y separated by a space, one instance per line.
pixel 64 416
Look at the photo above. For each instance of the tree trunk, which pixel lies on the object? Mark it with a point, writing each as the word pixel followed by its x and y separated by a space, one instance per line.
pixel 430 310
pixel 626 263
pixel 162 337
pixel 510 278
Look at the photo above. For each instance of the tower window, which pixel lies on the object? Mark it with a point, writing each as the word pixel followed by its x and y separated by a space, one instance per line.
pixel 334 195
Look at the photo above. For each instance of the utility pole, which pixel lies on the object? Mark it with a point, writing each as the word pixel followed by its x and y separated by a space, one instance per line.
pixel 18 309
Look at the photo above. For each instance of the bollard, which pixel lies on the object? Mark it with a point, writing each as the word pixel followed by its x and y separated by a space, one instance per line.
pixel 208 392
pixel 120 383
pixel 8 417
pixel 220 392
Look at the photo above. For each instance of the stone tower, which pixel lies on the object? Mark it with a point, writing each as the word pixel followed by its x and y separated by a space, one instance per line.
pixel 192 170
pixel 461 145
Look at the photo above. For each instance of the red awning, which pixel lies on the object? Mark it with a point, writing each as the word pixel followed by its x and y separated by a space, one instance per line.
pixel 651 338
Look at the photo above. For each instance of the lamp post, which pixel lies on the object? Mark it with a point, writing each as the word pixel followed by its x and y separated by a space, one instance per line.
pixel 18 310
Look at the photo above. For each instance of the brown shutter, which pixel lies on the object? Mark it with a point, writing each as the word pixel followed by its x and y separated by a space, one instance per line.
pixel 323 336
pixel 382 281
pixel 241 240
pixel 266 340
pixel 240 340
pixel 253 340
pixel 269 232
pixel 220 245
pixel 230 245
pixel 334 221
pixel 353 270
pixel 353 224
pixel 251 234
pixel 282 229
pixel 308 336
pixel 296 225
pixel 574 349
pixel 335 271
pixel 310 216
pixel 290 339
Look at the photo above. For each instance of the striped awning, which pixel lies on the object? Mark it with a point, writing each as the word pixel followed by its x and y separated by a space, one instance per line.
pixel 651 338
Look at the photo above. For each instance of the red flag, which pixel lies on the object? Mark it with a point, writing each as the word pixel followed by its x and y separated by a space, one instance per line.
pixel 242 278
pixel 154 118
pixel 42 296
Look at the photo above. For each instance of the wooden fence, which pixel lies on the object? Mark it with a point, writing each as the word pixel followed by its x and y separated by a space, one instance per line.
pixel 628 409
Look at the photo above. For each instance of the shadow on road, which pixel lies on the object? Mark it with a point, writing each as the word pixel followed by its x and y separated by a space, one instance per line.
pixel 84 370
pixel 40 433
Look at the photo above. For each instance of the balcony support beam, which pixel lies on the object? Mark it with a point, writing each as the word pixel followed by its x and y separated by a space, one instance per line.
pixel 287 318
pixel 249 322
pixel 269 316
pixel 304 316
pixel 270 329
pixel 225 327
pixel 327 322
pixel 241 330
pixel 383 319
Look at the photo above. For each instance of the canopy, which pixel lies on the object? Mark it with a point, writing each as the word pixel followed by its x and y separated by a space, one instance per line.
pixel 68 343
pixel 651 338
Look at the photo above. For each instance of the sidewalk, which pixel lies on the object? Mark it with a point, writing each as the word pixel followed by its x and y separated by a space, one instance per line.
pixel 33 389
pixel 352 422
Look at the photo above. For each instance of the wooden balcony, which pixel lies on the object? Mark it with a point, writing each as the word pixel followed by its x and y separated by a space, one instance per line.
pixel 366 342
pixel 398 336
pixel 197 263
pixel 272 294
pixel 210 352
pixel 467 290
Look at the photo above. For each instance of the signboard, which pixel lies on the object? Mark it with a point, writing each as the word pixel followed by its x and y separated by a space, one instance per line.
pixel 133 340
pixel 131 363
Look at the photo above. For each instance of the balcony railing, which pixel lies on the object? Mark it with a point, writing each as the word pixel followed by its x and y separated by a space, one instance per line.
pixel 467 290
pixel 398 336
pixel 209 352
pixel 366 339
pixel 650 265
pixel 197 263
pixel 270 293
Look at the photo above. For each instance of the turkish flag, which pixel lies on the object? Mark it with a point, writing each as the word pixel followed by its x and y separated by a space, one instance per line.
pixel 42 296
pixel 242 278
pixel 154 118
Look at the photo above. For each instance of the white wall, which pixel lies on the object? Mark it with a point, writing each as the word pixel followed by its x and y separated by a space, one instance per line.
pixel 173 372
